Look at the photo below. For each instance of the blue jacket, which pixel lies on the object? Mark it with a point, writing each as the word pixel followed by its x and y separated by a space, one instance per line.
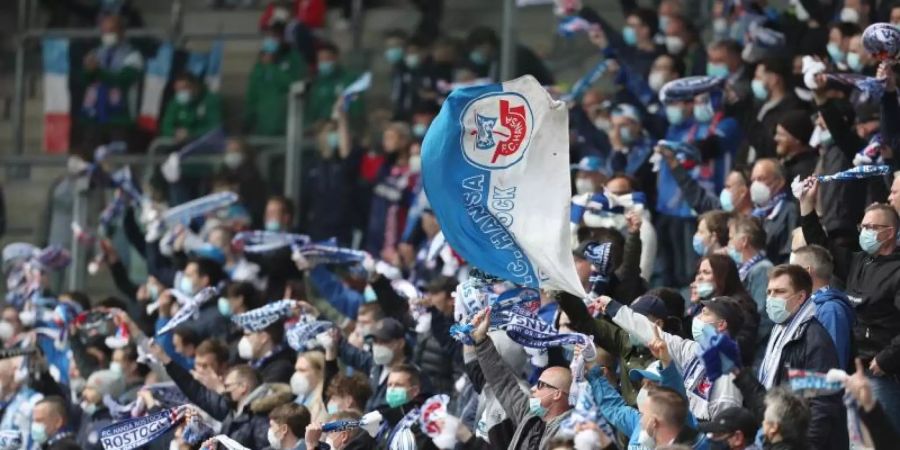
pixel 338 294
pixel 835 313
pixel 670 201
pixel 165 341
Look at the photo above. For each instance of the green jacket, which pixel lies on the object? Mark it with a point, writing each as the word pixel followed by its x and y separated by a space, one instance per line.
pixel 265 112
pixel 616 341
pixel 111 90
pixel 324 91
pixel 198 116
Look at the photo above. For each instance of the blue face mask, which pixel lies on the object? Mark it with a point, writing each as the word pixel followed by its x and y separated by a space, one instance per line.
pixel 534 405
pixel 477 57
pixel 699 328
pixel 759 90
pixel 393 55
pixel 39 433
pixel 735 256
pixel 625 135
pixel 834 51
pixel 629 35
pixel 273 225
pixel 332 409
pixel 703 112
pixel 868 241
pixel 726 201
pixel 186 286
pixel 183 97
pixel 419 130
pixel 716 70
pixel 270 45
pixel 776 309
pixel 224 307
pixel 699 246
pixel 674 114
pixel 332 140
pixel 326 67
pixel 705 289
pixel 854 62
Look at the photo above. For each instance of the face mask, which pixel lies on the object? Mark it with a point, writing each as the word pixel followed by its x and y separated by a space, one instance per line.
pixel 584 185
pixel 703 112
pixel 393 55
pixel 645 440
pixel 854 62
pixel 27 317
pixel 868 241
pixel 382 355
pixel 705 289
pixel 656 80
pixel 629 35
pixel 369 295
pixel 38 433
pixel 849 15
pixel 109 39
pixel 735 256
pixel 412 61
pixel 674 45
pixel 326 67
pixel 116 367
pixel 726 200
pixel 224 307
pixel 186 286
pixel 641 397
pixel 720 25
pixel 716 70
pixel 245 348
pixel 332 408
pixel 674 114
pixel 625 135
pixel 415 163
pixel 270 45
pixel 699 246
pixel 477 57
pixel 602 123
pixel 835 52
pixel 299 384
pixel 396 396
pixel 273 225
pixel 183 97
pixel 587 440
pixel 89 408
pixel 153 290
pixel 6 331
pixel 534 405
pixel 759 89
pixel 233 160
pixel 274 441
pixel 174 445
pixel 77 384
pixel 760 193
pixel 663 23
pixel 419 130
pixel 698 327
pixel 776 309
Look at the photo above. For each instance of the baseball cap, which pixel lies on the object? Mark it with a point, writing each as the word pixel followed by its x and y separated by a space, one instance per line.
pixel 729 310
pixel 650 305
pixel 652 372
pixel 589 164
pixel 730 420
pixel 388 329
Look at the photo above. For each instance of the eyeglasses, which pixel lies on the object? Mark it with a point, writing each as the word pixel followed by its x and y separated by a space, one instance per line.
pixel 871 226
pixel 541 385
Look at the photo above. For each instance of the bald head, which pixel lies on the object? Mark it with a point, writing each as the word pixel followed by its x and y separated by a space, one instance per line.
pixel 770 173
pixel 552 391
pixel 558 376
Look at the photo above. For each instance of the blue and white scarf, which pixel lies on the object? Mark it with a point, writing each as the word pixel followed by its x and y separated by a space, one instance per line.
pixel 570 26
pixel 135 433
pixel 302 336
pixel 261 241
pixel 810 384
pixel 401 436
pixel 190 308
pixel 744 270
pixel 260 318
pixel 330 254
pixel 781 334
pixel 185 212
pixel 10 439
pixel 857 173
pixel 764 211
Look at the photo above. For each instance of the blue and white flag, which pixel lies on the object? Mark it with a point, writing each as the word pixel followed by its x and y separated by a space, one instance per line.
pixel 856 173
pixel 135 433
pixel 260 318
pixel 495 167
pixel 362 84
pixel 302 335
pixel 10 439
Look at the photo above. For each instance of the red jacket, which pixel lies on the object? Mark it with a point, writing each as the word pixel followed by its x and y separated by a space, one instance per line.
pixel 308 12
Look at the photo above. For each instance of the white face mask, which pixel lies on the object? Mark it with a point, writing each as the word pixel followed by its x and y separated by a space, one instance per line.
pixel 602 124
pixel 415 163
pixel 174 445
pixel 656 80
pixel 760 193
pixel 233 160
pixel 6 331
pixel 849 15
pixel 641 397
pixel 245 348
pixel 674 44
pixel 587 440
pixel 382 355
pixel 299 384
pixel 646 441
pixel 274 441
pixel 109 39
pixel 584 185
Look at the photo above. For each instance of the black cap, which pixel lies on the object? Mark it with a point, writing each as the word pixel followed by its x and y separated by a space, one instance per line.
pixel 729 310
pixel 441 284
pixel 650 305
pixel 731 420
pixel 798 124
pixel 388 329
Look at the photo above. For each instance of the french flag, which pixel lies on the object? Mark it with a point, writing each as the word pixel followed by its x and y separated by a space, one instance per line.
pixel 155 79
pixel 57 101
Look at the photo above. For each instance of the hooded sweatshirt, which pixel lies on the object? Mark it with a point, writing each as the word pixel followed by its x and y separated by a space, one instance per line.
pixel 835 313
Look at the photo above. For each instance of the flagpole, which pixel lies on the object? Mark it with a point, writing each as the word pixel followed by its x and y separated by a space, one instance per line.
pixel 508 41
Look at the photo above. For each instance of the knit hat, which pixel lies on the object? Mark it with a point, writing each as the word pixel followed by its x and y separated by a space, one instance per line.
pixel 106 382
pixel 798 124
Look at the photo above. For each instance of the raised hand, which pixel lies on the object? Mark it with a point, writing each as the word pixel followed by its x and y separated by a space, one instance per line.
pixel 481 321
pixel 659 349
pixel 860 388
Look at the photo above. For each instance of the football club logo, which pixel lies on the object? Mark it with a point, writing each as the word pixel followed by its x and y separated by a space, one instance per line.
pixel 497 130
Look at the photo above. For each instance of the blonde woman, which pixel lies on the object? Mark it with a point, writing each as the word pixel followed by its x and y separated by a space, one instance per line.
pixel 306 384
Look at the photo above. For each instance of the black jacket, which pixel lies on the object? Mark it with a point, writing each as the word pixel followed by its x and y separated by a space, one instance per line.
pixel 778 231
pixel 61 442
pixel 761 133
pixel 842 203
pixel 873 286
pixel 812 350
pixel 801 165
pixel 278 368
pixel 88 436
pixel 880 428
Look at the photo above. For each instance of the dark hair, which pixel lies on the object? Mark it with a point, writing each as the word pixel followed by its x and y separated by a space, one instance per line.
pixel 275 331
pixel 716 222
pixel 296 417
pixel 328 47
pixel 847 29
pixel 371 308
pixel 415 377
pixel 674 302
pixel 730 46
pixel 356 386
pixel 80 298
pixel 188 335
pixel 482 35
pixel 800 279
pixel 129 351
pixel 187 76
pixel 113 302
pixel 215 347
pixel 778 66
pixel 247 291
pixel 632 182
pixel 58 405
pixel 647 17
pixel 286 203
pixel 726 279
pixel 246 374
pixel 208 268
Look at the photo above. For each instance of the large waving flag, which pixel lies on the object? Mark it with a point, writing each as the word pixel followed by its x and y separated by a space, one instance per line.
pixel 495 166
pixel 57 102
pixel 158 69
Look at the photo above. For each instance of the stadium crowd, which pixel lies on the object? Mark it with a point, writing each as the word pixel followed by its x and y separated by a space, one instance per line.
pixel 734 222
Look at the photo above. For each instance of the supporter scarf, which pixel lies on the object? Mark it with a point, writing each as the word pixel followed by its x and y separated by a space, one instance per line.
pixel 121 412
pixel 470 297
pixel 190 308
pixel 719 354
pixel 229 443
pixel 535 333
pixel 135 433
pixel 584 83
pixel 340 425
pixel 744 270
pixel 302 335
pixel 260 241
pixel 882 41
pixel 260 318
pixel 782 334
pixel 433 414
pixel 195 431
pixel 10 439
pixel 401 437
pixel 13 352
pixel 167 394
pixel 362 84
pixel 854 423
pixel 585 410
pixel 599 203
pixel 685 89
pixel 331 254
pixel 871 153
pixel 765 210
pixel 857 173
pixel 185 212
pixel 813 384
pixel 570 26
pixel 871 88
pixel 521 301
